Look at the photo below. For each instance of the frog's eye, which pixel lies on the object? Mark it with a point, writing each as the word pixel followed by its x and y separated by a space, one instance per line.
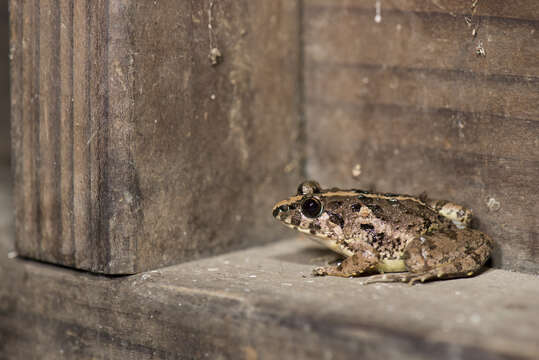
pixel 308 187
pixel 311 207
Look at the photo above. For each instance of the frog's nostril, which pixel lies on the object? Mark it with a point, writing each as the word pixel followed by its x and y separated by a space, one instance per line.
pixel 275 212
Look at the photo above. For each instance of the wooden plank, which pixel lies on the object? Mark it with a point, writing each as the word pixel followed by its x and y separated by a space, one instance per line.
pixel 132 150
pixel 518 9
pixel 453 131
pixel 425 88
pixel 410 101
pixel 422 41
pixel 258 305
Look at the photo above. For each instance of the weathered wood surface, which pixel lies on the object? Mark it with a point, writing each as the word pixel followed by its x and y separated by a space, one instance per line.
pixel 260 304
pixel 131 150
pixel 407 98
pixel 4 85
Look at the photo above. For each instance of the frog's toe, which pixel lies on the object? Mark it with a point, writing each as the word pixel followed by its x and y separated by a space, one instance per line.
pixel 320 271
pixel 421 277
pixel 397 277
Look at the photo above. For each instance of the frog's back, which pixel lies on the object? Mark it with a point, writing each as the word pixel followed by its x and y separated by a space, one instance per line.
pixel 387 222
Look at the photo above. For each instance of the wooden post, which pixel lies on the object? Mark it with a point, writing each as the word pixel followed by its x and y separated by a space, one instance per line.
pixel 150 133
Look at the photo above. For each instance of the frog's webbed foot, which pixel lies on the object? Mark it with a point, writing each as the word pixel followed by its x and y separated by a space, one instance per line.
pixel 458 214
pixel 332 270
pixel 361 262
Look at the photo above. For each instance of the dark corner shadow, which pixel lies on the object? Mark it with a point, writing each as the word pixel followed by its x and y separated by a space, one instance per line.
pixel 311 255
pixel 485 268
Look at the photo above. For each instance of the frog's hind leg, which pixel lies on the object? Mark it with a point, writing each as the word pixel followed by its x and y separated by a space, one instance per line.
pixel 458 214
pixel 442 255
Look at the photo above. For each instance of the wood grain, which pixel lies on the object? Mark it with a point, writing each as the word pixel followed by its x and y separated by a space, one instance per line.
pixel 423 40
pixel 410 100
pixel 519 9
pixel 131 150
pixel 187 311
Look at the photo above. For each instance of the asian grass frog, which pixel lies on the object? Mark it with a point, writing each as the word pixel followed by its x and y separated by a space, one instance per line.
pixel 412 238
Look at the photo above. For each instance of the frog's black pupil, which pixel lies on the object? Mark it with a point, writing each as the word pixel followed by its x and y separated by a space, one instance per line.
pixel 311 208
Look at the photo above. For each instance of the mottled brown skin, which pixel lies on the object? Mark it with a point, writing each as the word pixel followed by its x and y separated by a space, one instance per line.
pixel 419 238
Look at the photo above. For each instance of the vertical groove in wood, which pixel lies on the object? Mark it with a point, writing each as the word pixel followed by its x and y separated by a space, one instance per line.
pixel 26 189
pixel 93 132
pixel 90 111
pixel 98 137
pixel 122 217
pixel 81 189
pixel 36 108
pixel 49 195
pixel 17 106
pixel 66 128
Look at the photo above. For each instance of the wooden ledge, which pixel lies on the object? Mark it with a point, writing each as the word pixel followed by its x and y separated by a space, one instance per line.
pixel 257 304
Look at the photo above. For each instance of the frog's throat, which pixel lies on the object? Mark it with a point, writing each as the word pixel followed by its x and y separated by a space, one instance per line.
pixel 384 266
pixel 326 241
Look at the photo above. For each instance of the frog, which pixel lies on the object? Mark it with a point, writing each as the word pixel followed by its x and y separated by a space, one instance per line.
pixel 390 237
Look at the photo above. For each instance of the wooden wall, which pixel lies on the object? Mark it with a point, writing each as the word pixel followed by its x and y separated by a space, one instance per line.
pixel 434 96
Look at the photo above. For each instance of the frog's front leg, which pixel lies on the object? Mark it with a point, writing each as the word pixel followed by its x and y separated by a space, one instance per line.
pixel 363 260
pixel 442 255
pixel 458 214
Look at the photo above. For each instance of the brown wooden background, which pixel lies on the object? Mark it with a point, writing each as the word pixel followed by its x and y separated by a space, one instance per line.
pixel 406 98
pixel 428 96
pixel 411 102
